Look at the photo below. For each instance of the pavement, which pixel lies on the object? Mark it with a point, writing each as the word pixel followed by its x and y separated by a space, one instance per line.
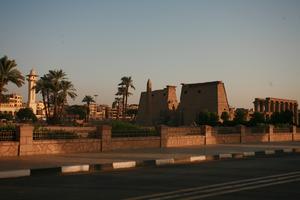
pixel 90 162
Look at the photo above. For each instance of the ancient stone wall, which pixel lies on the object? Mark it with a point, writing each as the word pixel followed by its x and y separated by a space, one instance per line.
pixel 210 96
pixel 156 106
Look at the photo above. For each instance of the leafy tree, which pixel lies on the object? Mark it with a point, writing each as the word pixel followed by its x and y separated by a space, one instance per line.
pixel 25 115
pixel 77 110
pixel 257 118
pixel 240 117
pixel 6 116
pixel 126 83
pixel 285 117
pixel 208 118
pixel 225 116
pixel 9 73
pixel 88 100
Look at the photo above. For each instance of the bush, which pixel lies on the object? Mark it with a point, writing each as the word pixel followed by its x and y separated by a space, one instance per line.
pixel 25 115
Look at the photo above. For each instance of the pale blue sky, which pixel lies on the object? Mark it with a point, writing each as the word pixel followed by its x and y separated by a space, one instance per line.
pixel 253 46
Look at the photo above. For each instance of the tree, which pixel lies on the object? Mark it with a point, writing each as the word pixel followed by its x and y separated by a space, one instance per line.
pixel 88 100
pixel 117 103
pixel 240 116
pixel 127 83
pixel 225 116
pixel 67 90
pixel 208 118
pixel 285 117
pixel 77 110
pixel 55 89
pixel 257 118
pixel 9 73
pixel 25 115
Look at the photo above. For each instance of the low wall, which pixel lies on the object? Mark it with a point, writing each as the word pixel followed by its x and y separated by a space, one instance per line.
pixel 278 137
pixel 187 140
pixel 9 148
pixel 254 137
pixel 65 146
pixel 223 139
pixel 184 131
pixel 135 143
pixel 296 137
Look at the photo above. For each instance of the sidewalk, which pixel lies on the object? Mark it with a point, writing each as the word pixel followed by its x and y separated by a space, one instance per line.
pixel 51 161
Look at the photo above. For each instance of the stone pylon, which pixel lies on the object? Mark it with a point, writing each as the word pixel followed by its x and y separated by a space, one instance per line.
pixel 149 103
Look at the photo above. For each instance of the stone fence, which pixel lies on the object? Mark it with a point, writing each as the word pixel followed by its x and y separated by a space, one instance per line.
pixel 25 144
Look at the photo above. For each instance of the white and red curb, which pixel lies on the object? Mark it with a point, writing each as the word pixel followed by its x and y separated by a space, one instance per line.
pixel 86 168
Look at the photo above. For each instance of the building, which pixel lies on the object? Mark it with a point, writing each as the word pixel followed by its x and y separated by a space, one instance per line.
pixel 155 106
pixel 12 105
pixel 32 78
pixel 270 105
pixel 197 97
pixel 158 105
pixel 97 112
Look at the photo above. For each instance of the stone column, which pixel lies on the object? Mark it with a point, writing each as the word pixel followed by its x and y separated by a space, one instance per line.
pixel 25 137
pixel 281 106
pixel 163 136
pixel 296 121
pixel 270 129
pixel 105 133
pixel 262 106
pixel 267 104
pixel 256 105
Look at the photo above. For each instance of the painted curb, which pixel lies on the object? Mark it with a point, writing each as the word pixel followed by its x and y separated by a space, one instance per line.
pixel 75 168
pixel 143 163
pixel 15 173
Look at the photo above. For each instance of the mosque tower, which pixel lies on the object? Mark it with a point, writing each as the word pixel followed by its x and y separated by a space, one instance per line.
pixel 32 78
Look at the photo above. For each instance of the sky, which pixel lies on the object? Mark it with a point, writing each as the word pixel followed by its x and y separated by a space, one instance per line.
pixel 252 46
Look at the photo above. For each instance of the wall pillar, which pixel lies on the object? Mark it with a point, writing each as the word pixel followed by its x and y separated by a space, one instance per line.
pixel 242 132
pixel 163 136
pixel 25 138
pixel 270 129
pixel 294 132
pixel 105 134
pixel 207 131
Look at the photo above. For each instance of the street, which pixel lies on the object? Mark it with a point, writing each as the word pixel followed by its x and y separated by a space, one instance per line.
pixel 255 178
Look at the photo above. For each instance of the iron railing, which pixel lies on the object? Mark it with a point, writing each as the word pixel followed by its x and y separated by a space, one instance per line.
pixel 8 135
pixel 261 130
pixel 225 130
pixel 134 133
pixel 282 130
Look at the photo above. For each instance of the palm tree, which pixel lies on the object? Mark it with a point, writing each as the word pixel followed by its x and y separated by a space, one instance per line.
pixel 55 88
pixel 121 92
pixel 66 90
pixel 117 103
pixel 9 73
pixel 56 77
pixel 127 83
pixel 41 87
pixel 88 100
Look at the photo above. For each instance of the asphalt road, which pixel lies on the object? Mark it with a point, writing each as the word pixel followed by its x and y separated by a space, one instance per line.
pixel 255 178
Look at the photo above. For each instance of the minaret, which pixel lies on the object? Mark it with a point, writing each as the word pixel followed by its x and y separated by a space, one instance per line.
pixel 149 103
pixel 32 78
